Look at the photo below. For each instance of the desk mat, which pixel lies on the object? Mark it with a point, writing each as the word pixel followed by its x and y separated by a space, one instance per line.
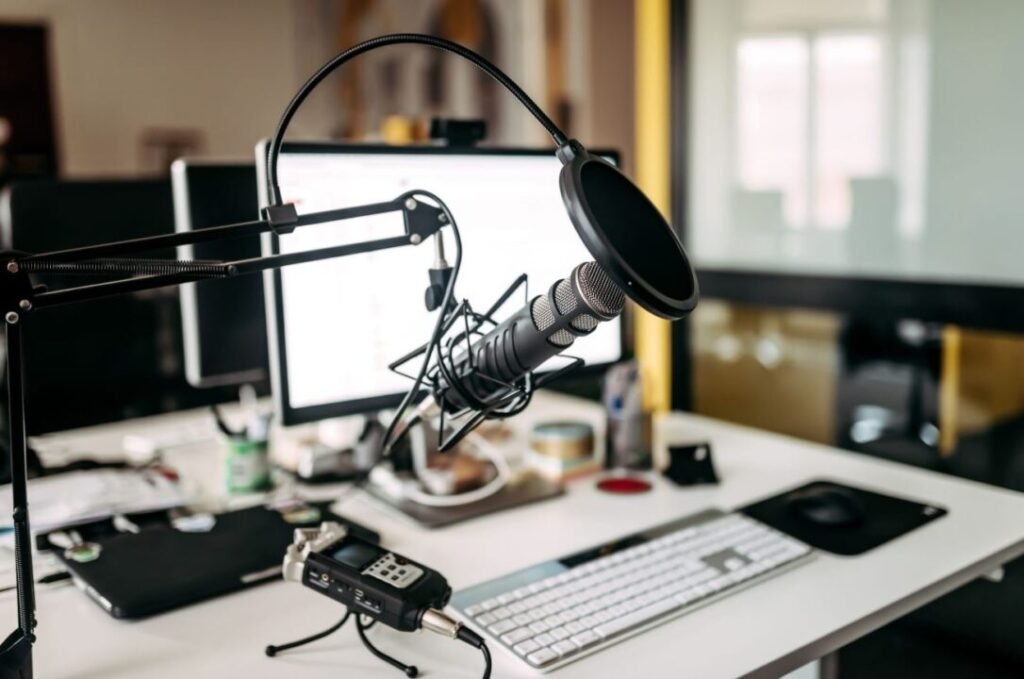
pixel 885 518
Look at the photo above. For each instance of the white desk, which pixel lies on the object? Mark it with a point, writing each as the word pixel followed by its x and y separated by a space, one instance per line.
pixel 767 630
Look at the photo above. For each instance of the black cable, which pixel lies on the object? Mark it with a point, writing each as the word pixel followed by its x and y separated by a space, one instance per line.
pixel 432 344
pixel 487 661
pixel 468 636
pixel 435 337
pixel 274 148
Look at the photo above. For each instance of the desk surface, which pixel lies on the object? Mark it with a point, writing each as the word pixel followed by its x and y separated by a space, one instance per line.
pixel 773 627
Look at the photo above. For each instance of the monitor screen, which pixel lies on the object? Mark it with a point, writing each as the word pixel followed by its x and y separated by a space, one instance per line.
pixel 223 321
pixel 339 323
pixel 107 359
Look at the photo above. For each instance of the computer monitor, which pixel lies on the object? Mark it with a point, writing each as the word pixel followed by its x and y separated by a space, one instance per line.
pixel 108 359
pixel 223 321
pixel 334 326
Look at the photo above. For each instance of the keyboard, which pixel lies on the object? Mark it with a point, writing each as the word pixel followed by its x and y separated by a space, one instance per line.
pixel 556 612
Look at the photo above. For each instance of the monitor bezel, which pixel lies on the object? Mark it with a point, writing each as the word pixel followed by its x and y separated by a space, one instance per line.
pixel 277 343
pixel 189 294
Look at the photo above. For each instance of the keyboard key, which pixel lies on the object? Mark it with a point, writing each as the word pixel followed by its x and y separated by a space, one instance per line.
pixel 473 611
pixel 685 597
pixel 719 582
pixel 486 619
pixel 584 639
pixel 630 620
pixel 501 627
pixel 545 639
pixel 542 657
pixel 538 614
pixel 560 633
pixel 539 626
pixel 574 627
pixel 489 604
pixel 564 648
pixel 552 608
pixel 525 647
pixel 516 635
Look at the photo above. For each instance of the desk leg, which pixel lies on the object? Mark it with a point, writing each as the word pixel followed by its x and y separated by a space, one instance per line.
pixel 823 668
pixel 828 666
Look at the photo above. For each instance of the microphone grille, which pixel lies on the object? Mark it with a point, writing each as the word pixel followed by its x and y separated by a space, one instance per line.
pixel 598 290
pixel 544 318
pixel 565 298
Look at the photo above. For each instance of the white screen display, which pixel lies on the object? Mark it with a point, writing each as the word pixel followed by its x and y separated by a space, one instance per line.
pixel 346 319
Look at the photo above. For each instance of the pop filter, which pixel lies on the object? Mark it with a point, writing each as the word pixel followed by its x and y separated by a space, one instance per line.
pixel 626 234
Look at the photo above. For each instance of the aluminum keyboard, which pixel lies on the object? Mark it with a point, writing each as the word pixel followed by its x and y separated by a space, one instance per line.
pixel 558 611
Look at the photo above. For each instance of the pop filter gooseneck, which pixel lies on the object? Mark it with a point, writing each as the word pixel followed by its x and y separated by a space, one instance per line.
pixel 617 223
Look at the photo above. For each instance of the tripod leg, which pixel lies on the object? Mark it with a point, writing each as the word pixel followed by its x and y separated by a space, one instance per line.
pixel 273 650
pixel 410 670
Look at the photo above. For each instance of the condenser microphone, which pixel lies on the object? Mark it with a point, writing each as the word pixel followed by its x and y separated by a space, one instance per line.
pixel 546 326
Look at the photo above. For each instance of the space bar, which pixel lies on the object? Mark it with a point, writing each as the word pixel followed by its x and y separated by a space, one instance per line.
pixel 637 617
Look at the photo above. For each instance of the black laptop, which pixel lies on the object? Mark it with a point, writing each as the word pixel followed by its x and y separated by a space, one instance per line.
pixel 162 567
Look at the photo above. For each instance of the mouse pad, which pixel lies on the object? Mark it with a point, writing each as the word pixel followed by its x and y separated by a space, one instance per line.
pixel 884 518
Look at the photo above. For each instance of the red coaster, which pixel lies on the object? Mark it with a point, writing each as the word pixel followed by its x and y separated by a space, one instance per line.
pixel 624 485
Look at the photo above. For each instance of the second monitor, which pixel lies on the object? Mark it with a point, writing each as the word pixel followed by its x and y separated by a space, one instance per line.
pixel 223 322
pixel 334 326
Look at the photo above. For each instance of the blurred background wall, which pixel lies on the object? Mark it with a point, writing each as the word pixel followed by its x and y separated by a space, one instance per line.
pixel 133 82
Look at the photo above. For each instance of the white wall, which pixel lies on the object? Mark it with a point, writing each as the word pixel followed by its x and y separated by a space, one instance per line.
pixel 226 67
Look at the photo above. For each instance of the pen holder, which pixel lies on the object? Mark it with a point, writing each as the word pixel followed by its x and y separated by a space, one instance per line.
pixel 247 465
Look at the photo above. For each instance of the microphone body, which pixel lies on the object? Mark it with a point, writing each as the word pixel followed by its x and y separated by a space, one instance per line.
pixel 547 325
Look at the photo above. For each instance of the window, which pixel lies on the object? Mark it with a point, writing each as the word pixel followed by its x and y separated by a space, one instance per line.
pixel 810 117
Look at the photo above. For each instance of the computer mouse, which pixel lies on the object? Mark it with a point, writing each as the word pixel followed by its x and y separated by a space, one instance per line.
pixel 828 506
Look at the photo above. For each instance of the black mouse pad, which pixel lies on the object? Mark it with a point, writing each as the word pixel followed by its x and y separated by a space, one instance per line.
pixel 884 518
